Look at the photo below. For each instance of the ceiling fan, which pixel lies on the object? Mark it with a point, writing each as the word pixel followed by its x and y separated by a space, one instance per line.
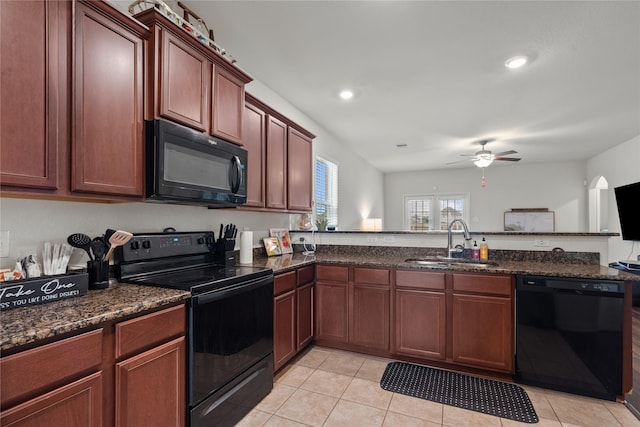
pixel 484 158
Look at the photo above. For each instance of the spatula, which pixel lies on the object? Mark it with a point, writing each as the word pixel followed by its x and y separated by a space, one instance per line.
pixel 81 241
pixel 118 238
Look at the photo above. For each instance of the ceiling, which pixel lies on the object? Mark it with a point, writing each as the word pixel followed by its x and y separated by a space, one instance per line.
pixel 431 75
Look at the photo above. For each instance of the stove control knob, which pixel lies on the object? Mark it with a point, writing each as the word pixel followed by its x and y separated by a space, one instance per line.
pixel 146 244
pixel 200 240
pixel 135 245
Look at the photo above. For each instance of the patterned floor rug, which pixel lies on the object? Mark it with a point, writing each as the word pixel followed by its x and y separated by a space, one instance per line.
pixel 491 397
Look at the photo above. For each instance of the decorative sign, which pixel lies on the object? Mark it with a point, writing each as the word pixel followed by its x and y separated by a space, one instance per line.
pixel 22 293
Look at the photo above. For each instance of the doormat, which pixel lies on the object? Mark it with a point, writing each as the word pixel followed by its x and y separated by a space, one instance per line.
pixel 491 397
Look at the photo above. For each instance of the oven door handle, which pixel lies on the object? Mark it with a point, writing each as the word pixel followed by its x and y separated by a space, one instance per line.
pixel 236 289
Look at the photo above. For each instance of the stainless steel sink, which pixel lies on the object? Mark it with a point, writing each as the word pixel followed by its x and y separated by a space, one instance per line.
pixel 447 262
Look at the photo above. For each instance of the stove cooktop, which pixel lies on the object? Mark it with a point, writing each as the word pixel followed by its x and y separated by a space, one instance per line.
pixel 180 261
pixel 203 278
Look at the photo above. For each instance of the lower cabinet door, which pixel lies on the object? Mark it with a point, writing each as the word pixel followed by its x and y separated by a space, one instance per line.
pixel 151 388
pixel 284 334
pixel 76 404
pixel 421 323
pixel 370 316
pixel 332 315
pixel 483 331
pixel 304 296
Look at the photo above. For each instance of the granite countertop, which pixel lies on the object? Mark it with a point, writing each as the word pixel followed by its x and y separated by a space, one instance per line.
pixel 29 324
pixel 25 325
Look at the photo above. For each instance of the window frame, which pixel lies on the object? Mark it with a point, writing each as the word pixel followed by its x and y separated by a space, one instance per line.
pixel 332 185
pixel 435 217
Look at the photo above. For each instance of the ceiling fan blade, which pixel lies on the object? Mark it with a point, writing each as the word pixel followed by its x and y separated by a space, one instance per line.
pixel 509 159
pixel 460 161
pixel 506 153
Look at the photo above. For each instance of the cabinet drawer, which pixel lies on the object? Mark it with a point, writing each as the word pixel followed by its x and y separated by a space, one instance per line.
pixel 149 330
pixel 374 276
pixel 482 283
pixel 419 279
pixel 35 371
pixel 284 283
pixel 333 273
pixel 306 275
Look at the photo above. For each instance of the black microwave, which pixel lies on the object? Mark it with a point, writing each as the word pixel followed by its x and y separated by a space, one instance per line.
pixel 189 167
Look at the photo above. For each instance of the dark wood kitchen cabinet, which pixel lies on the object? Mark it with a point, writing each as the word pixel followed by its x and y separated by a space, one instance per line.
pixel 274 140
pixel 299 171
pixel 107 154
pixel 254 142
pixel 34 88
pixel 292 313
pixel 370 300
pixel 332 303
pixel 420 315
pixel 353 306
pixel 75 130
pixel 150 354
pixel 284 318
pixel 482 319
pixel 130 372
pixel 189 83
pixel 35 392
pixel 276 173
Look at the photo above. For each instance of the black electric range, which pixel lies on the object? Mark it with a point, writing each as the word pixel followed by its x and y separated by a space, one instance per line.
pixel 230 320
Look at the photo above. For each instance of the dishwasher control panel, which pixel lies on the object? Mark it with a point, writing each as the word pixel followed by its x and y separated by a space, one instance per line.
pixel 576 284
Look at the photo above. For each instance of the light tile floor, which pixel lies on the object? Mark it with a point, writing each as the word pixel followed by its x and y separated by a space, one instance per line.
pixel 325 387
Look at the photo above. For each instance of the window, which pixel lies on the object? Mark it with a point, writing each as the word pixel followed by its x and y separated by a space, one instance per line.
pixel 326 193
pixel 435 211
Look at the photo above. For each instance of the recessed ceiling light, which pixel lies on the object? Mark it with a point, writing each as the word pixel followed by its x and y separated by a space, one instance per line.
pixel 346 94
pixel 516 61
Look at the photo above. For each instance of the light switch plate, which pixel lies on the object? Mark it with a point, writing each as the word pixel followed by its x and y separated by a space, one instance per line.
pixel 4 244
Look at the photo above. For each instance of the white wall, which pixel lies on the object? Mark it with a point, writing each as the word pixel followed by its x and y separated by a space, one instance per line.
pixel 559 187
pixel 620 165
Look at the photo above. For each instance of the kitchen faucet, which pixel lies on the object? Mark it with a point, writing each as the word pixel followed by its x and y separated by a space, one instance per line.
pixel 450 248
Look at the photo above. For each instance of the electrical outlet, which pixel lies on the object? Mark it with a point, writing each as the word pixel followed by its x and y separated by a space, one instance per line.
pixel 301 239
pixel 4 244
pixel 541 243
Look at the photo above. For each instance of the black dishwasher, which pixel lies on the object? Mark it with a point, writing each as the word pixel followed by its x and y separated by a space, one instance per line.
pixel 569 335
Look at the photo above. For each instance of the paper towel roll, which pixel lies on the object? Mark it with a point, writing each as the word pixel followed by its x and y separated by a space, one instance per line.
pixel 246 247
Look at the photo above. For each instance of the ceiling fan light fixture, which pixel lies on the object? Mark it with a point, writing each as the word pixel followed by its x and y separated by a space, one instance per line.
pixel 516 62
pixel 346 94
pixel 483 161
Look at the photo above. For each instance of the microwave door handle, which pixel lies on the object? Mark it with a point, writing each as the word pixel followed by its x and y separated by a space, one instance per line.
pixel 239 174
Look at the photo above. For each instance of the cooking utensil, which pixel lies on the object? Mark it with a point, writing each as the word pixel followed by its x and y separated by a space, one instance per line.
pixel 80 241
pixel 118 238
pixel 98 247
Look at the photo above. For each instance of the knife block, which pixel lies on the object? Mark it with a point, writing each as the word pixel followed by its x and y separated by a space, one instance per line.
pixel 228 258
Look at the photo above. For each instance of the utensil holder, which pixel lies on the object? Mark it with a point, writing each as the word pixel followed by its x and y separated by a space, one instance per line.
pixel 98 274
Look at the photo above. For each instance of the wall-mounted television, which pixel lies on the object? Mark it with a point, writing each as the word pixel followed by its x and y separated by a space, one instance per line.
pixel 628 200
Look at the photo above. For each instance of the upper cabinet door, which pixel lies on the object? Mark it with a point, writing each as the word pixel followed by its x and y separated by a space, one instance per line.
pixel 184 83
pixel 276 173
pixel 254 139
pixel 107 140
pixel 300 171
pixel 228 105
pixel 33 88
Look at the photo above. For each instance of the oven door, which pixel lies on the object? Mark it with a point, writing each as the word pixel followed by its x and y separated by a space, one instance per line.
pixel 230 331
